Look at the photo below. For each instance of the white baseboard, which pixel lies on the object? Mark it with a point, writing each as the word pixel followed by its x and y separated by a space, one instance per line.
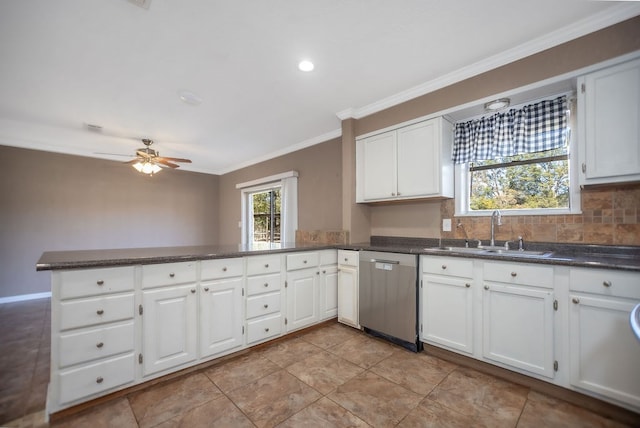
pixel 23 297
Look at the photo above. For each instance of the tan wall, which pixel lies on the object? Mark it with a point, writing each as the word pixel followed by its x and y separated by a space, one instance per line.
pixel 423 219
pixel 319 189
pixel 60 202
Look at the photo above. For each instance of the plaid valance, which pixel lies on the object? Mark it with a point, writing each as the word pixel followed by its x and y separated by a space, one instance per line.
pixel 532 128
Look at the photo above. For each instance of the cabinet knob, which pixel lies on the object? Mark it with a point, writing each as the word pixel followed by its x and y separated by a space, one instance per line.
pixel 393 194
pixel 514 274
pixel 304 261
pixel 206 288
pixel 346 259
pixel 99 312
pixel 99 345
pixel 266 265
pixel 172 274
pixel 486 287
pixel 318 273
pixel 193 290
pixel 444 266
pixel 99 379
pixel 324 271
pixel 224 269
pixel 266 306
pixel 266 284
pixel 266 330
pixel 575 300
pixel 100 282
pixel 467 285
pixel 607 283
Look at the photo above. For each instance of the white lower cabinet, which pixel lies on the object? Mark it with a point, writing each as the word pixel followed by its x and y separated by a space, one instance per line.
pixel 348 288
pixel 264 301
pixel 447 302
pixel 518 327
pixel 328 285
pixel 604 353
pixel 169 327
pixel 221 316
pixel 302 298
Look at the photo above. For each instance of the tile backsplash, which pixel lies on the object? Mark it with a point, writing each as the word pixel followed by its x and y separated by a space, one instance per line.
pixel 610 216
pixel 328 237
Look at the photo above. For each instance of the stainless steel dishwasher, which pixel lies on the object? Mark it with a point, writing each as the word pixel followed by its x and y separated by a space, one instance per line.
pixel 388 297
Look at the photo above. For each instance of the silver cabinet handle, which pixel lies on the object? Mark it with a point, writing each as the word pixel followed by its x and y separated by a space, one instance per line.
pixel 99 379
pixel 389 262
pixel 575 300
pixel 266 284
pixel 444 267
pixel 486 287
pixel 224 269
pixel 467 285
pixel 324 271
pixel 99 345
pixel 607 283
pixel 100 282
pixel 193 290
pixel 266 306
pixel 514 274
pixel 346 259
pixel 304 262
pixel 266 265
pixel 206 288
pixel 99 312
pixel 266 330
pixel 171 275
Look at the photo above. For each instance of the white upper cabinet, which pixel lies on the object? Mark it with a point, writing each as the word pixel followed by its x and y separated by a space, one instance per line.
pixel 609 129
pixel 406 163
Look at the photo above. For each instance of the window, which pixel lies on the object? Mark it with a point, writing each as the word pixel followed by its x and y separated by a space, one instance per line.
pixel 269 210
pixel 519 162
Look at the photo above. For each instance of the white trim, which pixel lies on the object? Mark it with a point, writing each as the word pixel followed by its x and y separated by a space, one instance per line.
pixel 265 180
pixel 608 17
pixel 290 149
pixel 24 297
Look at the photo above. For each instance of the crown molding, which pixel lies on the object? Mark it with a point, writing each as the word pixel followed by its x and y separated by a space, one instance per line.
pixel 606 18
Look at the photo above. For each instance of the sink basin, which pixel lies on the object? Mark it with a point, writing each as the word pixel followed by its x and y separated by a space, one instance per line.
pixel 493 251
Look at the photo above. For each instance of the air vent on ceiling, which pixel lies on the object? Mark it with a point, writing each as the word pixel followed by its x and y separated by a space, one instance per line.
pixel 142 3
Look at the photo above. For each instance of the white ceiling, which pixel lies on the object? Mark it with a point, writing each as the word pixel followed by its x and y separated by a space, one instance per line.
pixel 68 63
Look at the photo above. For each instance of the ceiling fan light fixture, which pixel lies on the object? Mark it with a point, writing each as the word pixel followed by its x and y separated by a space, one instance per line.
pixel 147 167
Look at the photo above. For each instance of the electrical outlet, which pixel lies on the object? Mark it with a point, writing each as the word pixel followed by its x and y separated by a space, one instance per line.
pixel 446 225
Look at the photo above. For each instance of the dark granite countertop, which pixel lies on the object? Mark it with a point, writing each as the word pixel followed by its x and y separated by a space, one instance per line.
pixel 597 256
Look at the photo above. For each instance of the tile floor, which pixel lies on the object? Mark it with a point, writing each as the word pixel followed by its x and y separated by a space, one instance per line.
pixel 332 376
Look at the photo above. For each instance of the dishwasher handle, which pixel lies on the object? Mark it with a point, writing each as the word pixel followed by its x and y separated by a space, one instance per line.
pixel 389 262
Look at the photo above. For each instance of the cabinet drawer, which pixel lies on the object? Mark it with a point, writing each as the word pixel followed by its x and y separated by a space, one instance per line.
pixel 329 257
pixel 452 266
pixel 302 260
pixel 257 265
pixel 168 274
pixel 263 304
pixel 222 268
pixel 92 282
pixel 93 311
pixel 348 258
pixel 95 378
pixel 263 284
pixel 519 273
pixel 264 328
pixel 88 345
pixel 605 281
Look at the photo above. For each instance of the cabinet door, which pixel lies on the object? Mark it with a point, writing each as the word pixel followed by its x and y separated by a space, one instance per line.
pixel 348 296
pixel 379 166
pixel 611 107
pixel 518 327
pixel 419 159
pixel 447 312
pixel 221 316
pixel 169 326
pixel 328 292
pixel 604 353
pixel 302 298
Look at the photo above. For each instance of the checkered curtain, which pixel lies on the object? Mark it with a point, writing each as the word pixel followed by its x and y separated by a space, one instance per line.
pixel 533 128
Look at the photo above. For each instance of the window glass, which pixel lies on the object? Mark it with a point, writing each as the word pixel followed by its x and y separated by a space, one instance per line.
pixel 265 215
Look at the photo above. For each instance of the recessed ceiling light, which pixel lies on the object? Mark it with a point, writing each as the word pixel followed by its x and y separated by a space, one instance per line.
pixel 305 65
pixel 190 98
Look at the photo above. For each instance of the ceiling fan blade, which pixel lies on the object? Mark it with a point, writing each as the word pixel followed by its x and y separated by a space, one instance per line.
pixel 112 154
pixel 131 162
pixel 166 163
pixel 175 159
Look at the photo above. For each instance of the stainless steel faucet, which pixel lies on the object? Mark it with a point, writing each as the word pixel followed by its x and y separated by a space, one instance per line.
pixel 496 214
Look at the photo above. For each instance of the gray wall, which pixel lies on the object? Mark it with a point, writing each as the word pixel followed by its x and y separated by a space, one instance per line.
pixel 60 202
pixel 319 188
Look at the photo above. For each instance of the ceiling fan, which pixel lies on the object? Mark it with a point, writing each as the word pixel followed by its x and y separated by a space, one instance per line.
pixel 149 161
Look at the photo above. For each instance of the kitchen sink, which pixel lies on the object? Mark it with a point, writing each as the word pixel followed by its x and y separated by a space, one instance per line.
pixel 492 251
